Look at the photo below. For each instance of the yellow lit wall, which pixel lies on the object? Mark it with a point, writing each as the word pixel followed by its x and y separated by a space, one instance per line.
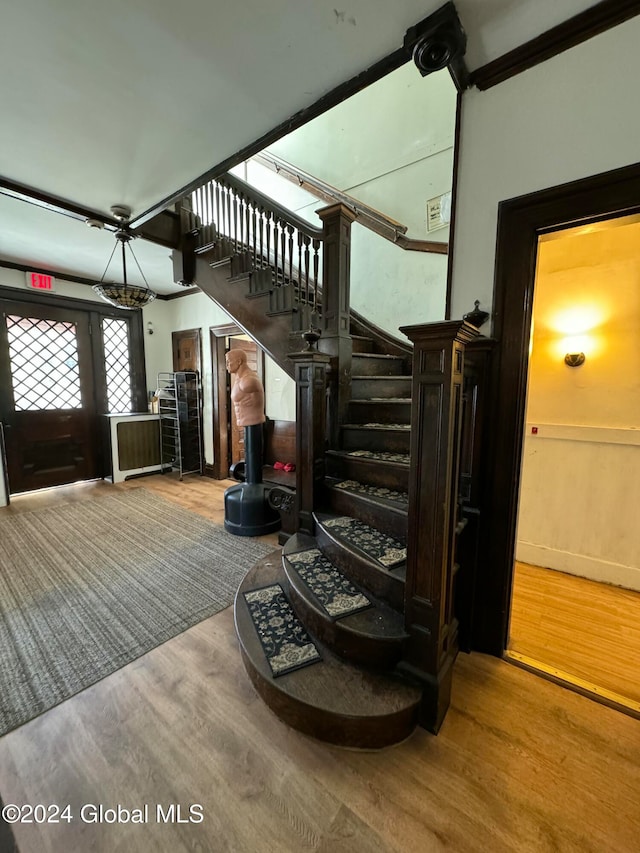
pixel 590 280
pixel 580 482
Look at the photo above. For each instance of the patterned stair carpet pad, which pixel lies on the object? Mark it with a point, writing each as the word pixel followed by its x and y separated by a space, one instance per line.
pixel 382 492
pixel 336 594
pixel 383 549
pixel 285 642
pixel 87 587
pixel 381 456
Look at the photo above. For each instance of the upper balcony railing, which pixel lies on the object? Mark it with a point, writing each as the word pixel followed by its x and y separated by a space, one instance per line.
pixel 235 219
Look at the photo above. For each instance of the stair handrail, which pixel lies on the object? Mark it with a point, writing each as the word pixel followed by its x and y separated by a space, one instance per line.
pixel 380 223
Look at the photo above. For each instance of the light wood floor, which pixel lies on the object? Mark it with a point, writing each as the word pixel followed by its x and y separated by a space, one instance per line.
pixel 586 629
pixel 520 764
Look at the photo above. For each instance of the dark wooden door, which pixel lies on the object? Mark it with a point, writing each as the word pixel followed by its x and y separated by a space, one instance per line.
pixel 47 400
pixel 187 349
pixel 237 433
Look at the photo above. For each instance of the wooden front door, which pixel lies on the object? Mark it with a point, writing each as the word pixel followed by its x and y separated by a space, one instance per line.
pixel 186 350
pixel 47 400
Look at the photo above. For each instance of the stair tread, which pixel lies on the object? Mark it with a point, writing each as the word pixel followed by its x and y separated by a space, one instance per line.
pixel 384 456
pixel 377 621
pixel 374 425
pixel 382 355
pixel 330 699
pixel 395 498
pixel 369 541
pixel 375 377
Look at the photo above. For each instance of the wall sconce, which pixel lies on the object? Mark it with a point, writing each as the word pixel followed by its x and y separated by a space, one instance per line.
pixel 149 328
pixel 574 359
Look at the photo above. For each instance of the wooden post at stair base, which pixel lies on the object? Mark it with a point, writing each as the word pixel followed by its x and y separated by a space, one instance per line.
pixel 336 301
pixel 436 423
pixel 311 386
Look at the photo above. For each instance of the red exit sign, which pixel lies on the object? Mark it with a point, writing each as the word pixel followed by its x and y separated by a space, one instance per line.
pixel 39 281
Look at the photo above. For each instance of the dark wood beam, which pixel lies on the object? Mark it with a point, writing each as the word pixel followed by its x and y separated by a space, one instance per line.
pixel 163 229
pixel 597 19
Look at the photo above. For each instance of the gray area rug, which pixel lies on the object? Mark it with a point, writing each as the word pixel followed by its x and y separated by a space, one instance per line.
pixel 86 588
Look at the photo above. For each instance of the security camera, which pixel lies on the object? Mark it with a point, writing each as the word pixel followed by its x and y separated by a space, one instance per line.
pixel 439 42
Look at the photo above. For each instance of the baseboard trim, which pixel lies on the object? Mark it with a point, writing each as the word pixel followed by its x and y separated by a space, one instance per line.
pixel 573 682
pixel 580 565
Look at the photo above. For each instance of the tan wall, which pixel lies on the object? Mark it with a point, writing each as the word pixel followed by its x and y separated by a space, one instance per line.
pixel 580 484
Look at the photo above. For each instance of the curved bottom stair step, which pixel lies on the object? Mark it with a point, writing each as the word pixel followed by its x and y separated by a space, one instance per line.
pixel 330 699
pixel 385 582
pixel 371 635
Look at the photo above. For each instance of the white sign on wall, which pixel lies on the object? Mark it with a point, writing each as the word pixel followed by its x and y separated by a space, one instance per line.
pixel 438 211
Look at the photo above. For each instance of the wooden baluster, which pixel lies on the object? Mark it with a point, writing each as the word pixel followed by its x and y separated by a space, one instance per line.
pixel 268 232
pixel 290 230
pixel 307 241
pixel 247 216
pixel 262 227
pixel 243 235
pixel 316 260
pixel 218 218
pixel 283 248
pixel 276 243
pixel 255 236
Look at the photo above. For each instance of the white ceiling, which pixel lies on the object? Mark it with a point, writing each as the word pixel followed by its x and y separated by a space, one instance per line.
pixel 126 101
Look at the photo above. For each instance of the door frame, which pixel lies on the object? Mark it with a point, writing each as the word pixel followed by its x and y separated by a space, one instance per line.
pixel 520 222
pixel 221 415
pixel 96 311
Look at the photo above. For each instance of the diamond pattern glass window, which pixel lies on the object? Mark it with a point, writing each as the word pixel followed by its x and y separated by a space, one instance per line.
pixel 115 338
pixel 44 364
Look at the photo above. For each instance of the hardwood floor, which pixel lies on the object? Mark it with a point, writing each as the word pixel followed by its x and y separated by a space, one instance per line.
pixel 588 630
pixel 519 765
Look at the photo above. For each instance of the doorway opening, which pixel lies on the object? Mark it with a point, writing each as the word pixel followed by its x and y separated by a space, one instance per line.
pixel 575 605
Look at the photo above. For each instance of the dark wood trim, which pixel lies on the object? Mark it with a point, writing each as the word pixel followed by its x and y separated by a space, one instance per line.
pixel 454 193
pixel 55 299
pixel 210 471
pixel 326 102
pixel 163 229
pixel 10 265
pixel 520 222
pixel 221 413
pixel 187 292
pixel 581 27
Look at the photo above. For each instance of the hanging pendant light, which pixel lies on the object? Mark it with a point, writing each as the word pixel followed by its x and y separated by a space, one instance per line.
pixel 124 295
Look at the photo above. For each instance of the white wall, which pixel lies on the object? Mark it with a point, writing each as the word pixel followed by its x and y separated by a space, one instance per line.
pixel 198 311
pixel 390 146
pixel 573 116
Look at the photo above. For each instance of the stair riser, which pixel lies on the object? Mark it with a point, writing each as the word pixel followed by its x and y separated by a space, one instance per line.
pixel 365 651
pixel 390 521
pixel 369 439
pixel 359 344
pixel 368 365
pixel 340 730
pixel 367 411
pixel 364 388
pixel 381 584
pixel 369 472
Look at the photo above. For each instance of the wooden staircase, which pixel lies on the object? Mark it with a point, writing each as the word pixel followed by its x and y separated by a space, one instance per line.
pixel 355 697
pixel 377 468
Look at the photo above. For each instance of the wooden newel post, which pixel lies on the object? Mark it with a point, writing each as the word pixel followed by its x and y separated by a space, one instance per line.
pixel 311 384
pixel 336 301
pixel 436 422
